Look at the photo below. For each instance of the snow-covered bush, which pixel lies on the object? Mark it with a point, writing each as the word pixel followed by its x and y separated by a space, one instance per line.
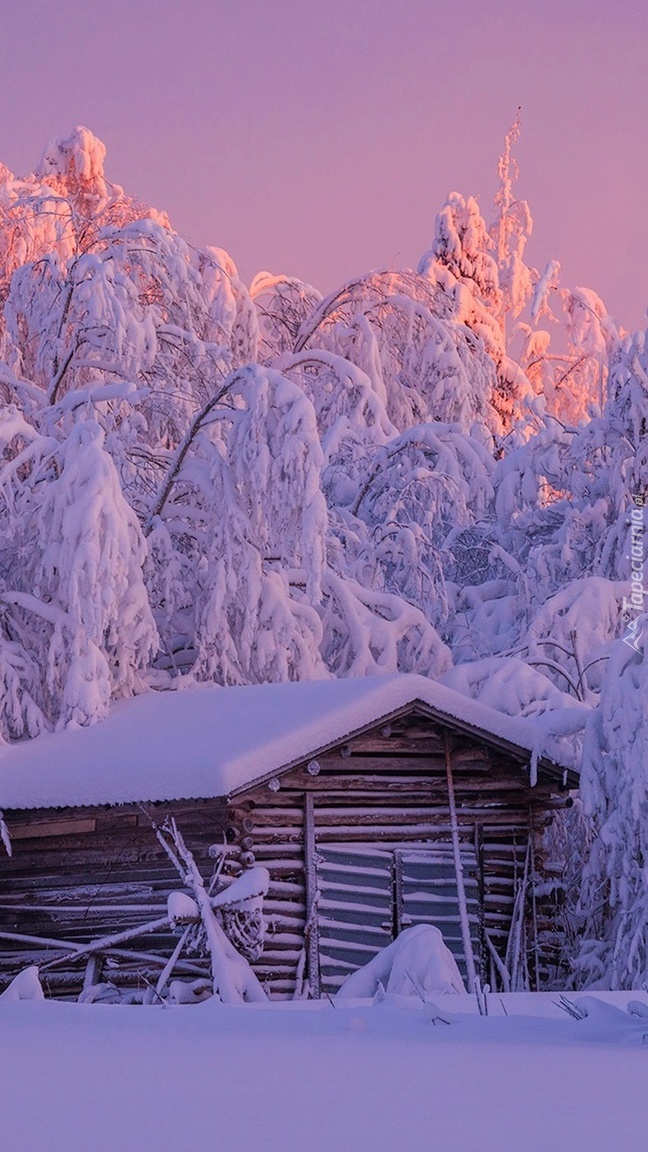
pixel 417 963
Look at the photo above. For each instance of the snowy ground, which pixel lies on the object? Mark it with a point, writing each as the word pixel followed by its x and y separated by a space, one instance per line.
pixel 351 1078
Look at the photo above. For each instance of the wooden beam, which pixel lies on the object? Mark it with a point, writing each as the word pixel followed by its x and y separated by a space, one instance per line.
pixel 310 872
pixel 36 829
pixel 461 890
pixel 92 973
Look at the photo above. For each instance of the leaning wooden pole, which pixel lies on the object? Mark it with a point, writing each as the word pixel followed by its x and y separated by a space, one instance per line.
pixel 311 938
pixel 461 888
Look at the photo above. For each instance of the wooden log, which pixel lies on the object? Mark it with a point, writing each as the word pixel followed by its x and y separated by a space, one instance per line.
pixel 111 941
pixel 310 872
pixel 459 873
pixel 419 765
pixel 36 829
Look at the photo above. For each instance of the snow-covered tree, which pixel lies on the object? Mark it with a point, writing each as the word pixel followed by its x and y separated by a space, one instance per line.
pixel 283 305
pixel 482 271
pixel 510 231
pixel 265 540
pixel 614 784
pixel 73 596
pixel 57 211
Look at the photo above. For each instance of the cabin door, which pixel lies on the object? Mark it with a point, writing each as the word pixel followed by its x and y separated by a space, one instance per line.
pixel 426 893
pixel 355 908
pixel 368 895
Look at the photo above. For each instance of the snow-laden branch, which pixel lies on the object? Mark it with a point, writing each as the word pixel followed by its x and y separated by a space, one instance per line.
pixel 51 612
pixel 183 448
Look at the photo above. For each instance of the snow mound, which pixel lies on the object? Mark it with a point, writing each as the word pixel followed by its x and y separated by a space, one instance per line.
pixel 417 963
pixel 24 986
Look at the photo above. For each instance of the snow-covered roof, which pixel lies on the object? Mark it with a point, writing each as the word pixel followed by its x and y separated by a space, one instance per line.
pixel 211 741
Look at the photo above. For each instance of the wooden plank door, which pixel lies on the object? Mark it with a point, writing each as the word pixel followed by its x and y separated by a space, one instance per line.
pixel 426 893
pixel 355 908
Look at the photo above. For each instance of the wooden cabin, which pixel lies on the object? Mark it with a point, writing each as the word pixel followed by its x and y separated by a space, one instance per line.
pixel 345 790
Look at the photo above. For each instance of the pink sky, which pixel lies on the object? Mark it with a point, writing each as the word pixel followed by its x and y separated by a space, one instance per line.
pixel 321 138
